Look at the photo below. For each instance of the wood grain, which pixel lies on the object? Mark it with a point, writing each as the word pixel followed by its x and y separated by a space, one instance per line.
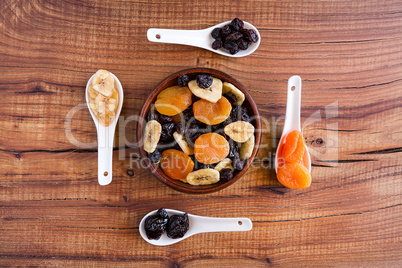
pixel 349 55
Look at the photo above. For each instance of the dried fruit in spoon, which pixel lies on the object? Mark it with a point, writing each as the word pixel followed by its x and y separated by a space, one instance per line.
pixel 212 113
pixel 292 172
pixel 173 100
pixel 211 148
pixel 176 164
pixel 155 225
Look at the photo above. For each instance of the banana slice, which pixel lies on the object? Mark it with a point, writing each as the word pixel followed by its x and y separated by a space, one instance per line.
pixel 239 131
pixel 203 176
pixel 102 75
pixel 225 163
pixel 104 104
pixel 152 134
pixel 228 87
pixel 106 119
pixel 115 95
pixel 247 148
pixel 92 92
pixel 104 87
pixel 184 145
pixel 212 93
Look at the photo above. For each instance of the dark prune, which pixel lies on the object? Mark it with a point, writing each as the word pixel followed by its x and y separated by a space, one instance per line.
pixel 239 113
pixel 243 44
pixel 156 225
pixel 234 50
pixel 237 163
pixel 181 127
pixel 216 33
pixel 225 31
pixel 182 80
pixel 199 165
pixel 177 226
pixel 234 36
pixel 155 156
pixel 236 24
pixel 192 130
pixel 229 45
pixel 167 132
pixel 163 119
pixel 252 35
pixel 230 97
pixel 153 115
pixel 233 149
pixel 226 175
pixel 188 114
pixel 217 44
pixel 204 80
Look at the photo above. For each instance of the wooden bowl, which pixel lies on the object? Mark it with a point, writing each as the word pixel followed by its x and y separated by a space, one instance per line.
pixel 171 81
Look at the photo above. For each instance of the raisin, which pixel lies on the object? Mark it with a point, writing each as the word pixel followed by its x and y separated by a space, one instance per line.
pixel 226 30
pixel 234 149
pixel 217 44
pixel 237 163
pixel 204 80
pixel 216 33
pixel 163 119
pixel 243 44
pixel 177 226
pixel 154 157
pixel 181 127
pixel 155 225
pixel 230 97
pixel 252 35
pixel 192 130
pixel 234 50
pixel 188 114
pixel 167 132
pixel 229 45
pixel 153 115
pixel 182 80
pixel 237 24
pixel 234 36
pixel 226 175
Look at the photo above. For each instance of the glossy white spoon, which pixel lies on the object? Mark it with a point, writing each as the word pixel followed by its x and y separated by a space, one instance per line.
pixel 105 136
pixel 199 38
pixel 198 224
pixel 292 119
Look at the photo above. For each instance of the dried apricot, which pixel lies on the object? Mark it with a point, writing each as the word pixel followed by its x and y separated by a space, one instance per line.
pixel 211 148
pixel 293 147
pixel 173 100
pixel 176 164
pixel 294 175
pixel 212 113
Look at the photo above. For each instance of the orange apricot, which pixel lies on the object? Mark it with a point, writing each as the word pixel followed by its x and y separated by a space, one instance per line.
pixel 176 164
pixel 294 175
pixel 173 100
pixel 293 147
pixel 212 113
pixel 211 148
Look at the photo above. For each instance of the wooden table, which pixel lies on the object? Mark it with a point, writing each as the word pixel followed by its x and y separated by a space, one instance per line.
pixel 349 55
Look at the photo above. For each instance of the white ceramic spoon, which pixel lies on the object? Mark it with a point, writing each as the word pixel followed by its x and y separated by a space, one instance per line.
pixel 292 119
pixel 199 38
pixel 105 136
pixel 198 224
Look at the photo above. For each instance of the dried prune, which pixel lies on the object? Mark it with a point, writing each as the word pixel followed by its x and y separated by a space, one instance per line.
pixel 234 36
pixel 237 163
pixel 216 33
pixel 243 44
pixel 153 115
pixel 163 119
pixel 155 156
pixel 217 44
pixel 234 149
pixel 226 175
pixel 204 80
pixel 230 97
pixel 239 113
pixel 225 31
pixel 167 132
pixel 188 114
pixel 177 226
pixel 236 24
pixel 252 35
pixel 182 80
pixel 229 45
pixel 155 225
pixel 192 130
pixel 234 50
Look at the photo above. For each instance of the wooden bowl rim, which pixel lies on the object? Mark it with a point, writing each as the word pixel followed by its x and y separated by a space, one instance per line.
pixel 156 170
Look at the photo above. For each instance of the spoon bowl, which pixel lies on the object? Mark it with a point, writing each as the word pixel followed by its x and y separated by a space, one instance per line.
pixel 105 135
pixel 199 38
pixel 292 118
pixel 198 224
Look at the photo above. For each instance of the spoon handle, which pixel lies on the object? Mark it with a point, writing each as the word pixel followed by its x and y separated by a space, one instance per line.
pixel 212 224
pixel 105 155
pixel 182 37
pixel 292 121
